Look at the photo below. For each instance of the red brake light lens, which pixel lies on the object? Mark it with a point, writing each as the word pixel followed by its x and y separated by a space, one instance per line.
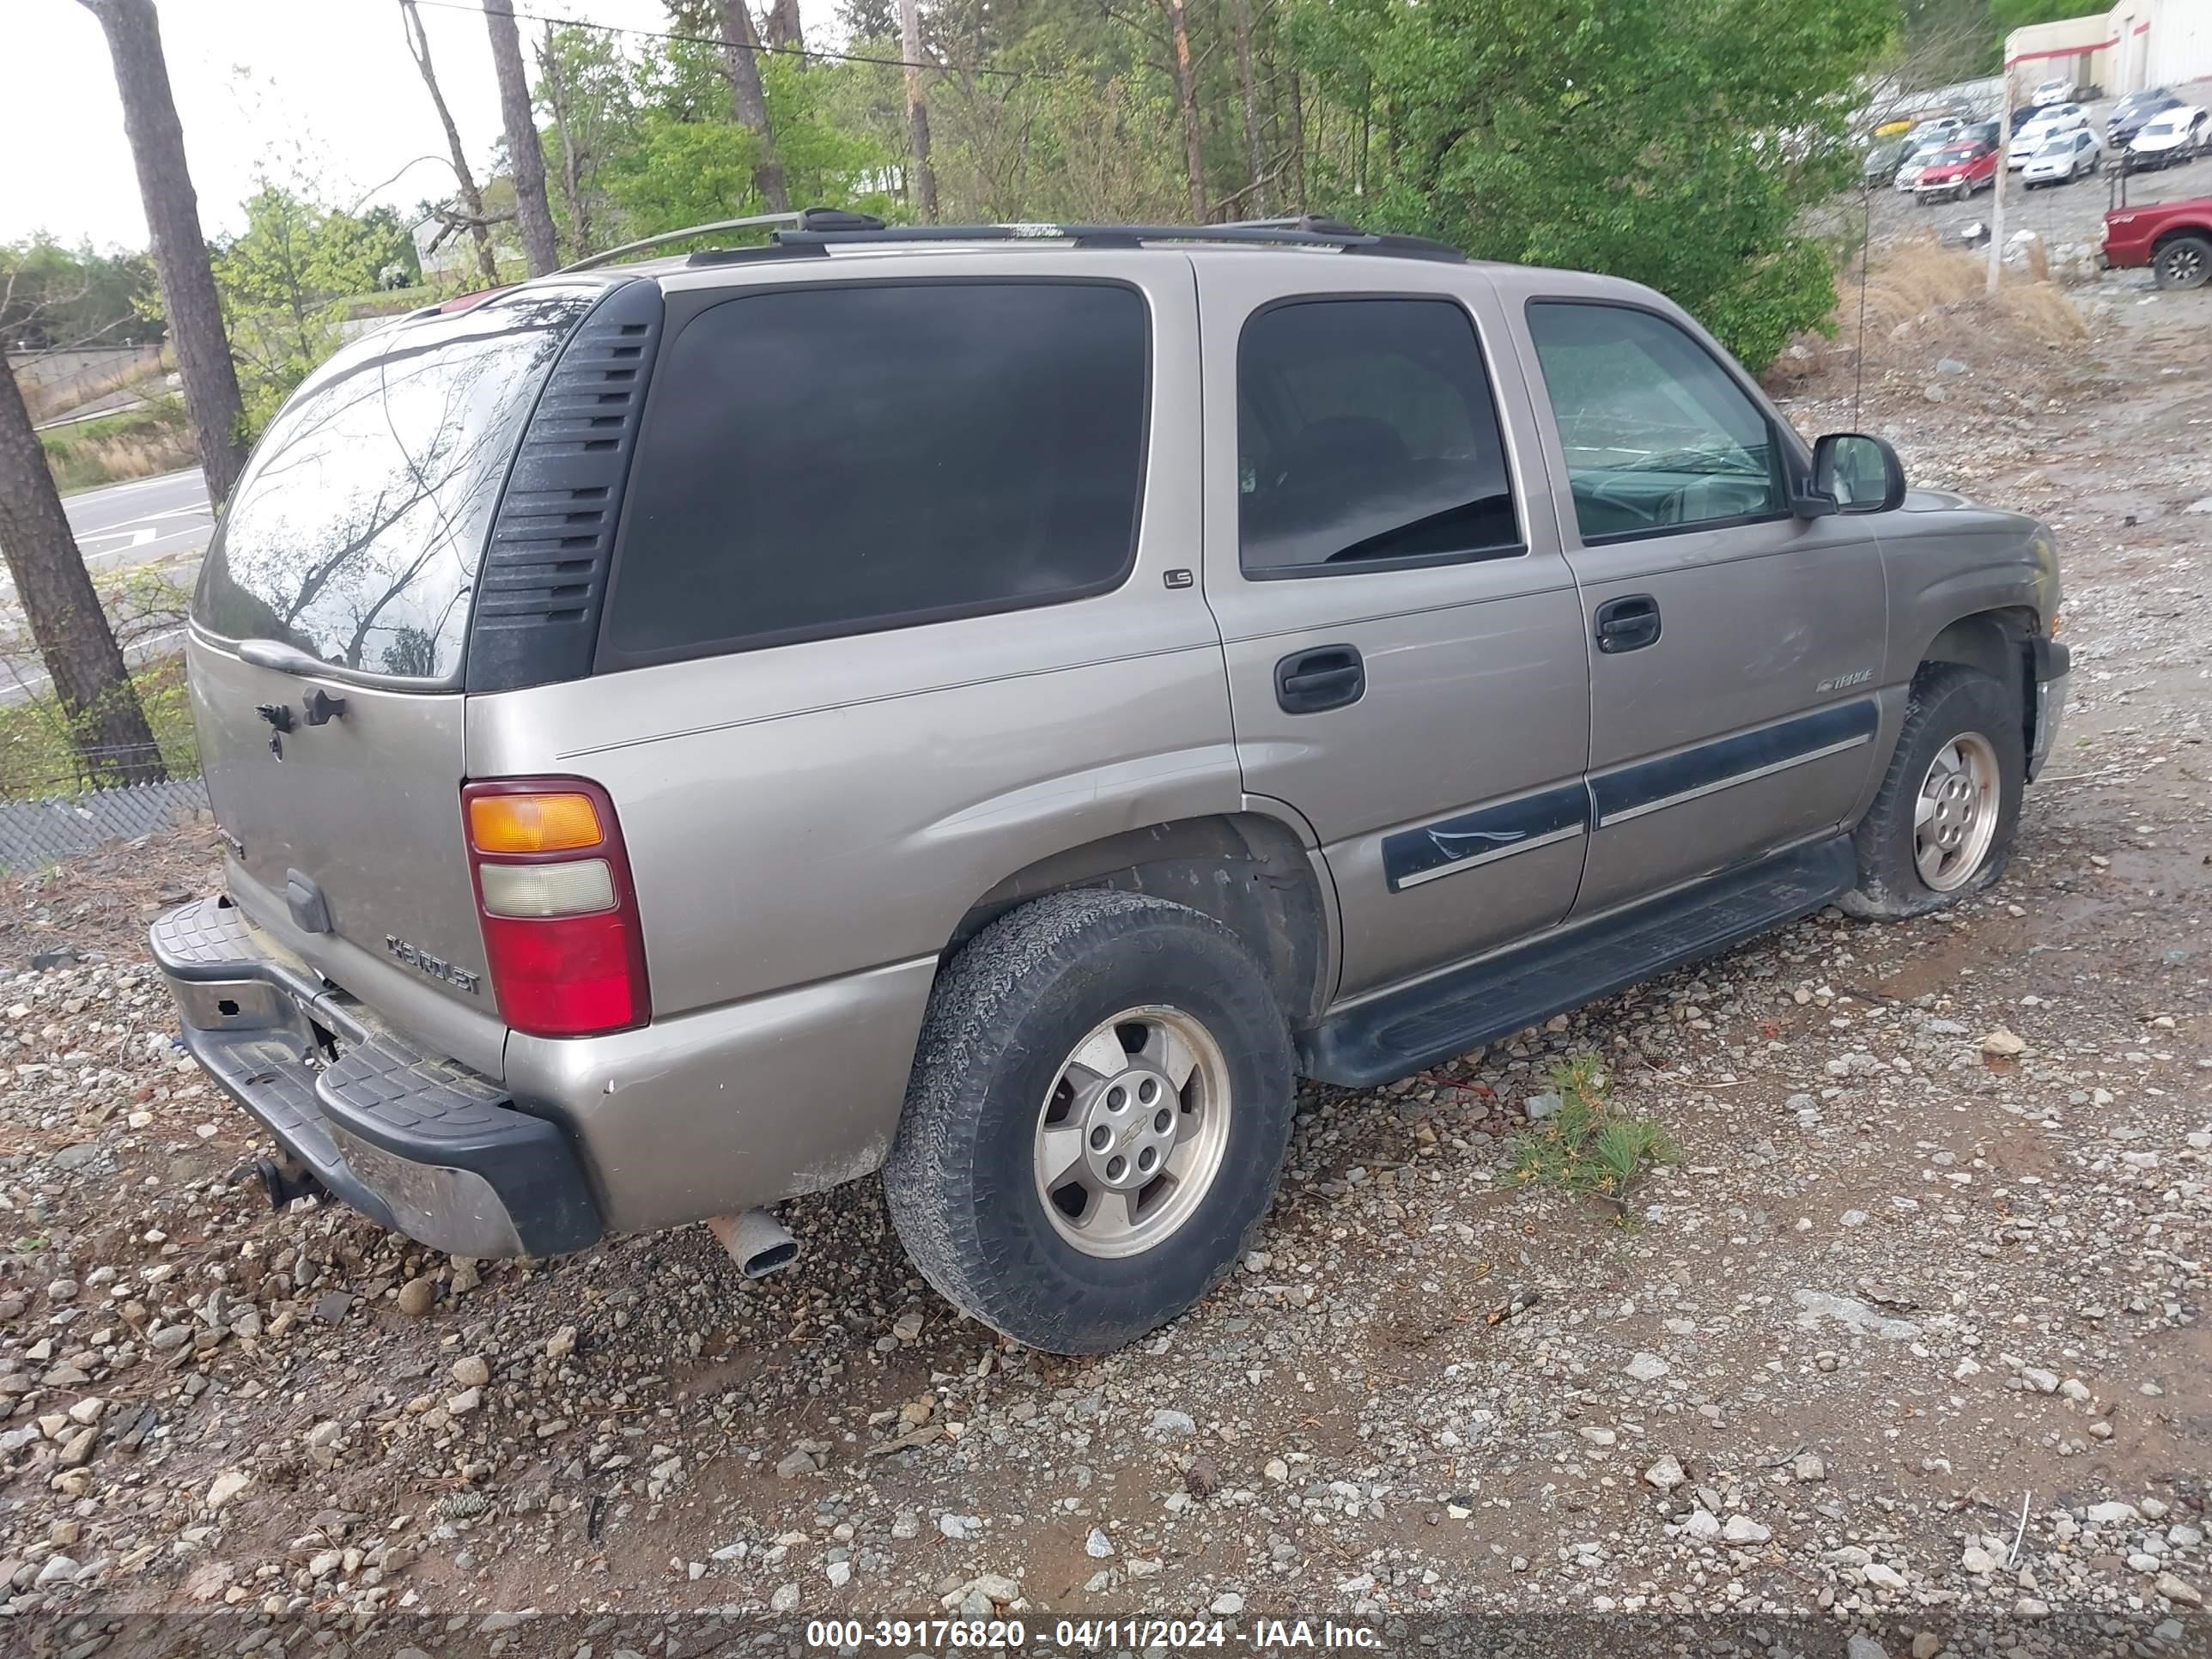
pixel 563 945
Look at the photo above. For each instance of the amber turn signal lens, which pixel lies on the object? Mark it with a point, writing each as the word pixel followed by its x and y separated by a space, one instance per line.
pixel 532 823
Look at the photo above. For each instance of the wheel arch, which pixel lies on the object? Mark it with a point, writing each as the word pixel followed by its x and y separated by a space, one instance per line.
pixel 1249 872
pixel 2201 232
pixel 1995 641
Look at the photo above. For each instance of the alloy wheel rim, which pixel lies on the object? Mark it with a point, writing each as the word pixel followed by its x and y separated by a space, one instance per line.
pixel 2183 263
pixel 1130 1135
pixel 1954 816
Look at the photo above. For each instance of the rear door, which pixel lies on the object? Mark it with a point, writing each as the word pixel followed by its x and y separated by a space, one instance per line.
pixel 1733 648
pixel 326 646
pixel 1402 636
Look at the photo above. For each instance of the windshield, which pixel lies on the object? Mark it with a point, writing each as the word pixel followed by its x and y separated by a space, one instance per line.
pixel 2161 129
pixel 1955 154
pixel 2057 146
pixel 354 534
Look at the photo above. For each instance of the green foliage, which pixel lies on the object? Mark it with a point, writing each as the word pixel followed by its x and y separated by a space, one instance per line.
pixel 52 297
pixel 284 281
pixel 2018 14
pixel 1588 1144
pixel 1676 142
pixel 38 755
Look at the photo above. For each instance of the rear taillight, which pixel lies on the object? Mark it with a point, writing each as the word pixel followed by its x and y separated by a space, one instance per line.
pixel 561 939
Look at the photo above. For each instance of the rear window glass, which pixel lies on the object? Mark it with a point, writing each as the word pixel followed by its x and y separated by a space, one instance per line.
pixel 355 533
pixel 836 459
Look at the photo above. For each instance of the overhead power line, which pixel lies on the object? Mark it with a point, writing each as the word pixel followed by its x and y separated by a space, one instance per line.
pixel 759 47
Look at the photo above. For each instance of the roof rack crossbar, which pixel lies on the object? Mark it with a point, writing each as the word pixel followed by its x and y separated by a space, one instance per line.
pixel 820 218
pixel 1299 233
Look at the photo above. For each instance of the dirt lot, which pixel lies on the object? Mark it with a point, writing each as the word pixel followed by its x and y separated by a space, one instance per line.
pixel 1909 1345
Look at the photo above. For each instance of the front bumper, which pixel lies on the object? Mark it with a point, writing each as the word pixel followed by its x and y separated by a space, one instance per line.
pixel 413 1141
pixel 2051 667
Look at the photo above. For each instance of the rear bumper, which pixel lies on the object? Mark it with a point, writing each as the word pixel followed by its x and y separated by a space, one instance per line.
pixel 413 1141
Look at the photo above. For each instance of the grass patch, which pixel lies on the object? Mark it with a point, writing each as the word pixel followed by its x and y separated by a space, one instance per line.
pixel 135 443
pixel 37 760
pixel 1586 1143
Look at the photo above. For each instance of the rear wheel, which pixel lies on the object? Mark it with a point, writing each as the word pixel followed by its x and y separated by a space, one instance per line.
pixel 2183 262
pixel 1942 825
pixel 1096 1120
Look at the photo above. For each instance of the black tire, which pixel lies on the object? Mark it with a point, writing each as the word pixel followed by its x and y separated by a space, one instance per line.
pixel 2183 262
pixel 1948 700
pixel 960 1181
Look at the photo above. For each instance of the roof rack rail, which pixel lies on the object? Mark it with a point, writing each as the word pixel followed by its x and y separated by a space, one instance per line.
pixel 813 218
pixel 1309 232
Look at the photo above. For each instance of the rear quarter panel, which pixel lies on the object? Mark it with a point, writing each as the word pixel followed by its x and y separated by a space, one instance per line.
pixel 808 823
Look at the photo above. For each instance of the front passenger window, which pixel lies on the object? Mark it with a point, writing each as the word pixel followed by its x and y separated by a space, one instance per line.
pixel 1658 436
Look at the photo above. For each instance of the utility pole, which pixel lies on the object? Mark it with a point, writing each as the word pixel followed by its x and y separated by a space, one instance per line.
pixel 2004 168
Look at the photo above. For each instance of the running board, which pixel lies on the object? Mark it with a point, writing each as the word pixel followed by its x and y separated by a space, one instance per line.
pixel 1440 1018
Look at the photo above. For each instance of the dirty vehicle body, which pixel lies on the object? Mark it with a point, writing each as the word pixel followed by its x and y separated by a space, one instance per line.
pixel 994 705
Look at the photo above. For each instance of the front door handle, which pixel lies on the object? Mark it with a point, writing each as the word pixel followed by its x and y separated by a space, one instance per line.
pixel 1627 624
pixel 1326 676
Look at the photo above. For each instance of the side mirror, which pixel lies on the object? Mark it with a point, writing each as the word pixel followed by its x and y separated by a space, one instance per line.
pixel 1854 473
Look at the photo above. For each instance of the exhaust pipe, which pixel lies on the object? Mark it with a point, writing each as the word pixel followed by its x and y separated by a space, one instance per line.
pixel 284 1178
pixel 756 1241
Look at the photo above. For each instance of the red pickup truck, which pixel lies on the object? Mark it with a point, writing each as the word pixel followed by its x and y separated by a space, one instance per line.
pixel 2174 238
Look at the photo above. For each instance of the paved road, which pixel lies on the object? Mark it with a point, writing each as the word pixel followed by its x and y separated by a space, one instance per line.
pixel 139 522
pixel 164 521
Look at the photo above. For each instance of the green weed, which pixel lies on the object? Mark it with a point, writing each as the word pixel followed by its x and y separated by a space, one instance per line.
pixel 1588 1144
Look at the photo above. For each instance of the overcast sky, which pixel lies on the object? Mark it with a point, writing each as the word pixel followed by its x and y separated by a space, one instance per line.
pixel 259 84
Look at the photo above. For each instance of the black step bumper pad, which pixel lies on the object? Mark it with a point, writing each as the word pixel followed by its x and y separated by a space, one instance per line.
pixel 411 1140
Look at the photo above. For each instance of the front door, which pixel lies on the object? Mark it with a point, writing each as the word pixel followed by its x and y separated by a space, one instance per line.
pixel 1733 648
pixel 1403 637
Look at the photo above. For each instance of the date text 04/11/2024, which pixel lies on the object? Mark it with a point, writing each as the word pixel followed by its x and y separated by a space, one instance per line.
pixel 1089 1635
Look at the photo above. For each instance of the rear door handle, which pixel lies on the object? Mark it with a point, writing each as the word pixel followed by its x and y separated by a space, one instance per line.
pixel 1629 623
pixel 1326 676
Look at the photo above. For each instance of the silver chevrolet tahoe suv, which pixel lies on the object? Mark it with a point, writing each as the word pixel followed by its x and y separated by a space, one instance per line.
pixel 994 705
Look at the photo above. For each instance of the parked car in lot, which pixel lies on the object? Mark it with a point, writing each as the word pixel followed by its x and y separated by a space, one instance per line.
pixel 2047 124
pixel 1937 129
pixel 2127 115
pixel 2056 90
pixel 2064 157
pixel 1956 172
pixel 1881 161
pixel 2174 238
pixel 1909 170
pixel 2171 138
pixel 995 704
pixel 1980 133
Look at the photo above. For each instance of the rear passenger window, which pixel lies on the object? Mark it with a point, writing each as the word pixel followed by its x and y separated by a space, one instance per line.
pixel 1366 435
pixel 1658 436
pixel 838 460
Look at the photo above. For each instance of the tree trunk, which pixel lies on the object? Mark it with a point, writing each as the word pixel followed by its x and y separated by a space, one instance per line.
pixel 741 65
pixel 784 32
pixel 524 152
pixel 107 728
pixel 923 194
pixel 1193 139
pixel 418 44
pixel 1299 140
pixel 1254 151
pixel 572 149
pixel 180 255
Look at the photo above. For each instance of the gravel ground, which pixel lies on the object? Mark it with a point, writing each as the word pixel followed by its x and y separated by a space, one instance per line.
pixel 1908 1348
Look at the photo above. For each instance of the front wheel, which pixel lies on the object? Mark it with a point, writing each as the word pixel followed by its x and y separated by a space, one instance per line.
pixel 1942 823
pixel 2184 262
pixel 1096 1120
